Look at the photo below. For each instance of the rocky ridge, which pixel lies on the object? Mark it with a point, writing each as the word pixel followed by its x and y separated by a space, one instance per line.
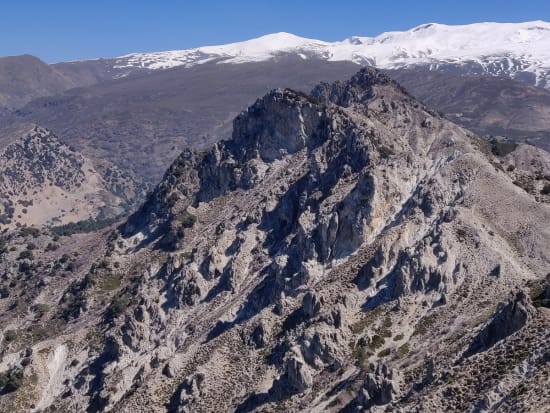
pixel 317 261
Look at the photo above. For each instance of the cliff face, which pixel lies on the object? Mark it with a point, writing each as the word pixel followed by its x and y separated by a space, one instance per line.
pixel 342 251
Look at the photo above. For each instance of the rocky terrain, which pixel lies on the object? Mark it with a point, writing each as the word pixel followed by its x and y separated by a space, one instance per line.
pixel 137 112
pixel 346 250
pixel 132 115
pixel 141 123
pixel 44 182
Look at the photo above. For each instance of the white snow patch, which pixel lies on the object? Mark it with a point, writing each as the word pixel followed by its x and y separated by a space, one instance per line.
pixel 518 46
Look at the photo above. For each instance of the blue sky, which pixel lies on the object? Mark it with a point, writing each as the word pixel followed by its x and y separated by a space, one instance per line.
pixel 60 30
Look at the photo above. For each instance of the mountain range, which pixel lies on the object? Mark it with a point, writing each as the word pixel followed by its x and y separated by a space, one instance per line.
pixel 277 225
pixel 347 249
pixel 135 113
pixel 515 50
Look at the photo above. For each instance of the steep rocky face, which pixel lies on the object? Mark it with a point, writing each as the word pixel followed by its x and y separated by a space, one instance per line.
pixel 507 320
pixel 342 251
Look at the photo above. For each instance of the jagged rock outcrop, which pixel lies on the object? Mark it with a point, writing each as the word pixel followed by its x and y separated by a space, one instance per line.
pixel 350 228
pixel 379 387
pixel 508 319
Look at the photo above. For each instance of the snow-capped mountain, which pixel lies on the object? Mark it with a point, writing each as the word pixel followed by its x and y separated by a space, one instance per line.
pixel 516 50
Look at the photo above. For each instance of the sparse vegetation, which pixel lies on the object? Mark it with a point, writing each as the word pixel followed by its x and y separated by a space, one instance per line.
pixel 360 325
pixel 116 308
pixel 424 325
pixel 376 342
pixel 502 148
pixel 186 219
pixel 11 380
pixel 82 227
pixel 110 282
pixel 41 309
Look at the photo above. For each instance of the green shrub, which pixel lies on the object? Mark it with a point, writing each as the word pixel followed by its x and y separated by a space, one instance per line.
pixel 361 355
pixel 110 282
pixel 502 148
pixel 82 227
pixel 334 402
pixel 11 380
pixel 538 293
pixel 29 231
pixel 384 353
pixel 26 254
pixel 385 152
pixel 74 298
pixel 116 308
pixel 376 342
pixel 186 219
pixel 52 247
pixel 385 329
pixel 10 335
pixel 41 309
pixel 404 349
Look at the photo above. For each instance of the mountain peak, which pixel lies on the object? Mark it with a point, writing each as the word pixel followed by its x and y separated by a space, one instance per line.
pixel 511 50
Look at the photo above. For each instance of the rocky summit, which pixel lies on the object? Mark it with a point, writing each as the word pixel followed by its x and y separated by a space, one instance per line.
pixel 347 250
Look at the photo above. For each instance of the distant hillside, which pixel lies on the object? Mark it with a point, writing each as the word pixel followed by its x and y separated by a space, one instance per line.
pixel 140 123
pixel 45 182
pixel 483 104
